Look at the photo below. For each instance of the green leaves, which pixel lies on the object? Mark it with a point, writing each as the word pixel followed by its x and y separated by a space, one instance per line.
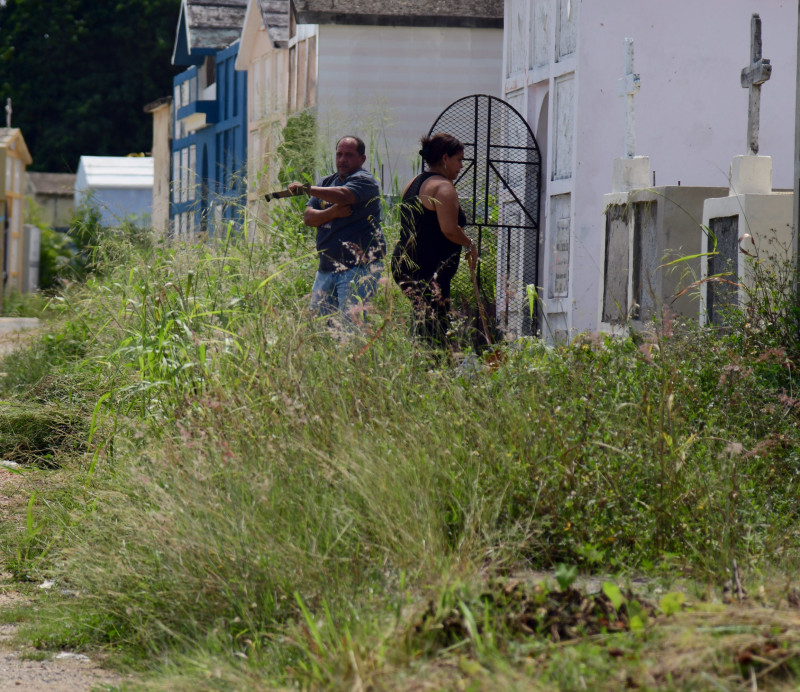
pixel 566 575
pixel 637 615
pixel 613 594
pixel 672 602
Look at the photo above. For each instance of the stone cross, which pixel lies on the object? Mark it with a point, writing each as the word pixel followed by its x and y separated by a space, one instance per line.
pixel 9 111
pixel 753 76
pixel 628 87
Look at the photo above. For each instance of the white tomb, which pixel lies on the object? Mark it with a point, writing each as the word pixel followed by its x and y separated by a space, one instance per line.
pixel 561 62
pixel 753 221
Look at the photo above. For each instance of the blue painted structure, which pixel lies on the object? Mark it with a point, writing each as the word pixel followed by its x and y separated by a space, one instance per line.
pixel 209 145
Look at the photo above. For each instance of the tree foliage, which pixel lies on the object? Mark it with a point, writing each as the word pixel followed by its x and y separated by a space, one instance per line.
pixel 79 73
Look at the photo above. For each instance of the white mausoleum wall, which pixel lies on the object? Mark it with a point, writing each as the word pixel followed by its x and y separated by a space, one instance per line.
pixel 389 84
pixel 691 112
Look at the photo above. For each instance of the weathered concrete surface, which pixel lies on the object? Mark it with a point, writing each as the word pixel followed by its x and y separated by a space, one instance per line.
pixel 15 332
pixel 10 325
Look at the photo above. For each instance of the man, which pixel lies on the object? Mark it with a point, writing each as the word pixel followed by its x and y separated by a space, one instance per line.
pixel 345 209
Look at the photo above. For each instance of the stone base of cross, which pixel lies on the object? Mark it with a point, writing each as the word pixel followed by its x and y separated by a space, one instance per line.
pixel 751 175
pixel 630 173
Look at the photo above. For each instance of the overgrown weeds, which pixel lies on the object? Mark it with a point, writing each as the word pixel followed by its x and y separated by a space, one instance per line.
pixel 281 494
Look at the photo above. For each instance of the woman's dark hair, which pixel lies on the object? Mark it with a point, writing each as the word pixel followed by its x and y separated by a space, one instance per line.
pixel 434 148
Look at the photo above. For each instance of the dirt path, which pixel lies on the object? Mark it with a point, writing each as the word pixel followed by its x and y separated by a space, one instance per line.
pixel 65 672
pixel 19 668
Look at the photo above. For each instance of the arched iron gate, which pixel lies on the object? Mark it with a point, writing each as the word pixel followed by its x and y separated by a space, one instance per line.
pixel 499 190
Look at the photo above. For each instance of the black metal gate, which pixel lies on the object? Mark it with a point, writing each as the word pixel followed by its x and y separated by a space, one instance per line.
pixel 499 190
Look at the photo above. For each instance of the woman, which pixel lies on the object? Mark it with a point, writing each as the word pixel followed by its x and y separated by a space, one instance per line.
pixel 432 236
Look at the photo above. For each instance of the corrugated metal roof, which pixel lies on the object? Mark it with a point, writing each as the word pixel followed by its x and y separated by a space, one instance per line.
pixel 275 16
pixel 117 171
pixel 52 183
pixel 438 13
pixel 213 24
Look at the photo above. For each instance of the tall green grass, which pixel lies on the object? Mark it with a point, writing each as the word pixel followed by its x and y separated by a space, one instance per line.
pixel 276 498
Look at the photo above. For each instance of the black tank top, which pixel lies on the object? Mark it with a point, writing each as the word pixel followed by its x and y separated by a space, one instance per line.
pixel 423 250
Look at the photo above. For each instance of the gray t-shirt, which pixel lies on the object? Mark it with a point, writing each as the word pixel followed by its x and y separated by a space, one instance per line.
pixel 357 239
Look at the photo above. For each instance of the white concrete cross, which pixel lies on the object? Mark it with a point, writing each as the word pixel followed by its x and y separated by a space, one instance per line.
pixel 628 87
pixel 9 111
pixel 753 76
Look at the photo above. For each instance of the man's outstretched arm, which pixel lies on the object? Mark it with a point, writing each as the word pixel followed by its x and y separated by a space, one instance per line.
pixel 335 195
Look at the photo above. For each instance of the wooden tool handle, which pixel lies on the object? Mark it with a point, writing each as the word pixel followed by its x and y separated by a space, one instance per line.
pixel 481 310
pixel 277 195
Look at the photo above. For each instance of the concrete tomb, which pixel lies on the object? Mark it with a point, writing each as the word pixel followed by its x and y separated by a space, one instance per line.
pixel 753 220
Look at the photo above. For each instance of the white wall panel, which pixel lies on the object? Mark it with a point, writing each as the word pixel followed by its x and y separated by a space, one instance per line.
pixel 561 215
pixel 540 33
pixel 564 127
pixel 567 28
pixel 517 24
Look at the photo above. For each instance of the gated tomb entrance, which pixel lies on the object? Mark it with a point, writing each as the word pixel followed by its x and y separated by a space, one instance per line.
pixel 499 189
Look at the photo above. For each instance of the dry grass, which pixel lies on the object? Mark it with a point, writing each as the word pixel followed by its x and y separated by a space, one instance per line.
pixel 754 646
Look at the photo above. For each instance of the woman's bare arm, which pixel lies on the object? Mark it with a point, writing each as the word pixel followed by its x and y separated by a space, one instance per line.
pixel 441 196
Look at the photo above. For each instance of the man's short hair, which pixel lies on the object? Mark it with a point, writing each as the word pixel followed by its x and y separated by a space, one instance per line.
pixel 361 148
